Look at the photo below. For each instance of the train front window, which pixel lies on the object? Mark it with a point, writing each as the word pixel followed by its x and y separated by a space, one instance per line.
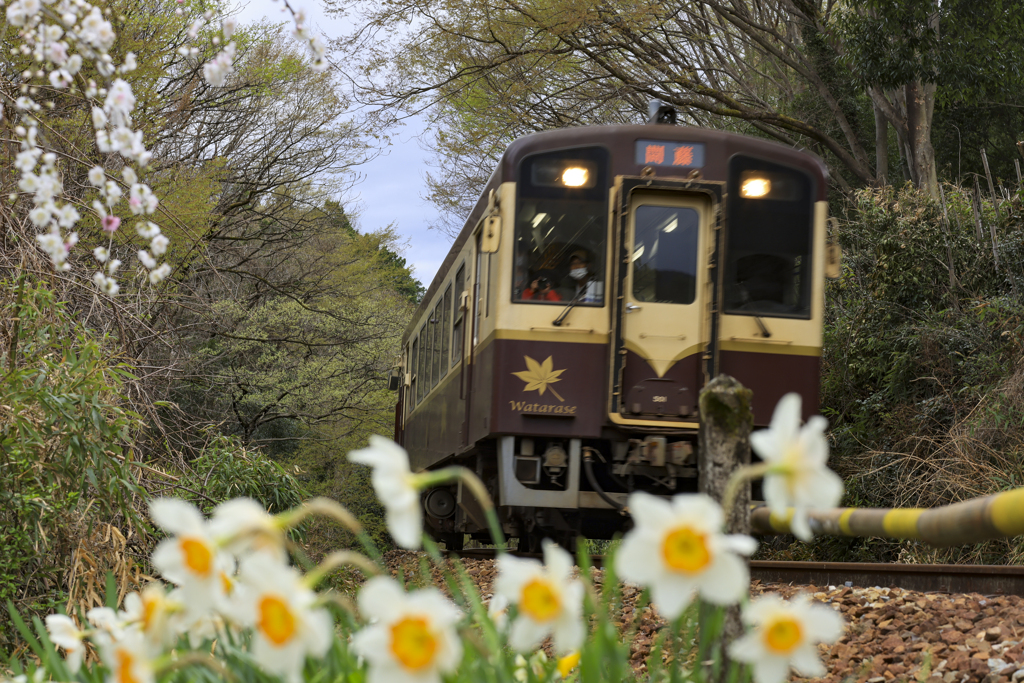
pixel 561 228
pixel 665 254
pixel 769 239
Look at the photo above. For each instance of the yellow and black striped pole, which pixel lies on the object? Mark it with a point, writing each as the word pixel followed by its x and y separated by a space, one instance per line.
pixel 997 516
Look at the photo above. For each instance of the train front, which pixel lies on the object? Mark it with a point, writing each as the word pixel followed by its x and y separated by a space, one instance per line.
pixel 636 263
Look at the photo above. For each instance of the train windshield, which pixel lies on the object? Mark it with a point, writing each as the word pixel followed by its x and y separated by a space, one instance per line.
pixel 561 228
pixel 769 239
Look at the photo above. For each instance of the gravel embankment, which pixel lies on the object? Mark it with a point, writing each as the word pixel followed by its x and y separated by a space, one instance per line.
pixel 892 634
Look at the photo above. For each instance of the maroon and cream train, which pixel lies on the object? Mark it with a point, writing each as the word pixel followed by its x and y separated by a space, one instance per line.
pixel 603 277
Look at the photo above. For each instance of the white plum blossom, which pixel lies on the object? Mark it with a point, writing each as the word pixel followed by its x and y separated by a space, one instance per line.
pixel 797 476
pixel 159 245
pixel 147 230
pixel 101 254
pixel 785 634
pixel 142 200
pixel 550 601
pixel 396 487
pixel 159 274
pixel 217 70
pixel 146 260
pixel 677 549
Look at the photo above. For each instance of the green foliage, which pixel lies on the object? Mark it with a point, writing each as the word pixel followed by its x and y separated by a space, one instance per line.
pixel 65 449
pixel 922 377
pixel 228 470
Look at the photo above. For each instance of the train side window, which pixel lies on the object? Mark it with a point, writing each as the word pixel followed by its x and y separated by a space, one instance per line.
pixel 561 228
pixel 425 344
pixel 769 239
pixel 436 331
pixel 665 254
pixel 415 372
pixel 458 315
pixel 446 331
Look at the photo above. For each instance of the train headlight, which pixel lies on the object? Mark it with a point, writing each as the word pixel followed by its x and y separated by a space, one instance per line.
pixel 575 176
pixel 755 187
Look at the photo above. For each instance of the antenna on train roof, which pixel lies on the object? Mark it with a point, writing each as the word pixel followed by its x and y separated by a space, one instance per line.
pixel 660 112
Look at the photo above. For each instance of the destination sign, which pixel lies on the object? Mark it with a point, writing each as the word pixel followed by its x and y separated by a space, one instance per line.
pixel 661 153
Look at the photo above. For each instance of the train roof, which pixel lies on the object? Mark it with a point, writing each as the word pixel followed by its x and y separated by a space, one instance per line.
pixel 620 141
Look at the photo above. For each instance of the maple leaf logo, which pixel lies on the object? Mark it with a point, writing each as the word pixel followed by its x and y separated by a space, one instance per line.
pixel 540 376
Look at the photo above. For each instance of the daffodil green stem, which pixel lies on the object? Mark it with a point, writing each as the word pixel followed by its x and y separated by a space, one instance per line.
pixel 337 559
pixel 201 659
pixel 739 477
pixel 324 507
pixel 331 509
pixel 479 491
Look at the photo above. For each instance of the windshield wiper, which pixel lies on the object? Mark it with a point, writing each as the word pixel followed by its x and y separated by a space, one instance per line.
pixel 557 322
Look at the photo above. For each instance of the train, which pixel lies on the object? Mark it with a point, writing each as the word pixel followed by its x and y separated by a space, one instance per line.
pixel 604 276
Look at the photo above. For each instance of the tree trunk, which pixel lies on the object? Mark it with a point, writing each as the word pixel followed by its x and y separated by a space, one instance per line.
pixel 920 105
pixel 881 148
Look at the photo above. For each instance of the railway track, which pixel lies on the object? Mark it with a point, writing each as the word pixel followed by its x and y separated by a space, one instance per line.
pixel 942 578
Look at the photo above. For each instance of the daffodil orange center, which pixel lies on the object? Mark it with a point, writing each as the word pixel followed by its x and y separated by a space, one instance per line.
pixel 150 605
pixel 412 643
pixel 277 622
pixel 198 556
pixel 540 601
pixel 782 635
pixel 124 667
pixel 686 550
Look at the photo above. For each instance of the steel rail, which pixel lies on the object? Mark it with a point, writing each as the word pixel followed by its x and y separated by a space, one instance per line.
pixel 940 578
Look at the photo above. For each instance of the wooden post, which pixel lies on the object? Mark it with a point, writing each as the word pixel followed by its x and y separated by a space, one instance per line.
pixel 725 423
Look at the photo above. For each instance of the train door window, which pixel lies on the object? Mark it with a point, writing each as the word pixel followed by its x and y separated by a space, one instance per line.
pixel 561 227
pixel 487 295
pixel 446 331
pixel 476 293
pixel 769 239
pixel 665 254
pixel 414 371
pixel 457 327
pixel 436 331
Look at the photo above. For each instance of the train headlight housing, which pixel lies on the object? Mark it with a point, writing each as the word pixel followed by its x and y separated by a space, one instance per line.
pixel 754 186
pixel 575 176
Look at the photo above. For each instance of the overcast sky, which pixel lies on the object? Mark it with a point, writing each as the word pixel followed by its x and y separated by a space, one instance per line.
pixel 394 183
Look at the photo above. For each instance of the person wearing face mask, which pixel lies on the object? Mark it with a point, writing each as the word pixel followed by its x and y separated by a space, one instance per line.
pixel 583 281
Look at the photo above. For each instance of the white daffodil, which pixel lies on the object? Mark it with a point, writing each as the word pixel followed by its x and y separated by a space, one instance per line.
pixel 395 486
pixel 676 548
pixel 107 621
pixel 549 600
pixel 797 475
pixel 158 616
pixel 785 634
pixel 288 626
pixel 189 558
pixel 243 525
pixel 65 633
pixel 411 638
pixel 126 658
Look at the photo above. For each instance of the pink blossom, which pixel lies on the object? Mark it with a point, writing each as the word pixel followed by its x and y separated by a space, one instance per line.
pixel 111 223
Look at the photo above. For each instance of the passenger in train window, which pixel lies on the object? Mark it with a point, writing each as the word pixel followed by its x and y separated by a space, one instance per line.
pixel 541 289
pixel 585 286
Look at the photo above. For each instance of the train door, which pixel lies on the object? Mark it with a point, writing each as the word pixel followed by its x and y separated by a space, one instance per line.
pixel 662 331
